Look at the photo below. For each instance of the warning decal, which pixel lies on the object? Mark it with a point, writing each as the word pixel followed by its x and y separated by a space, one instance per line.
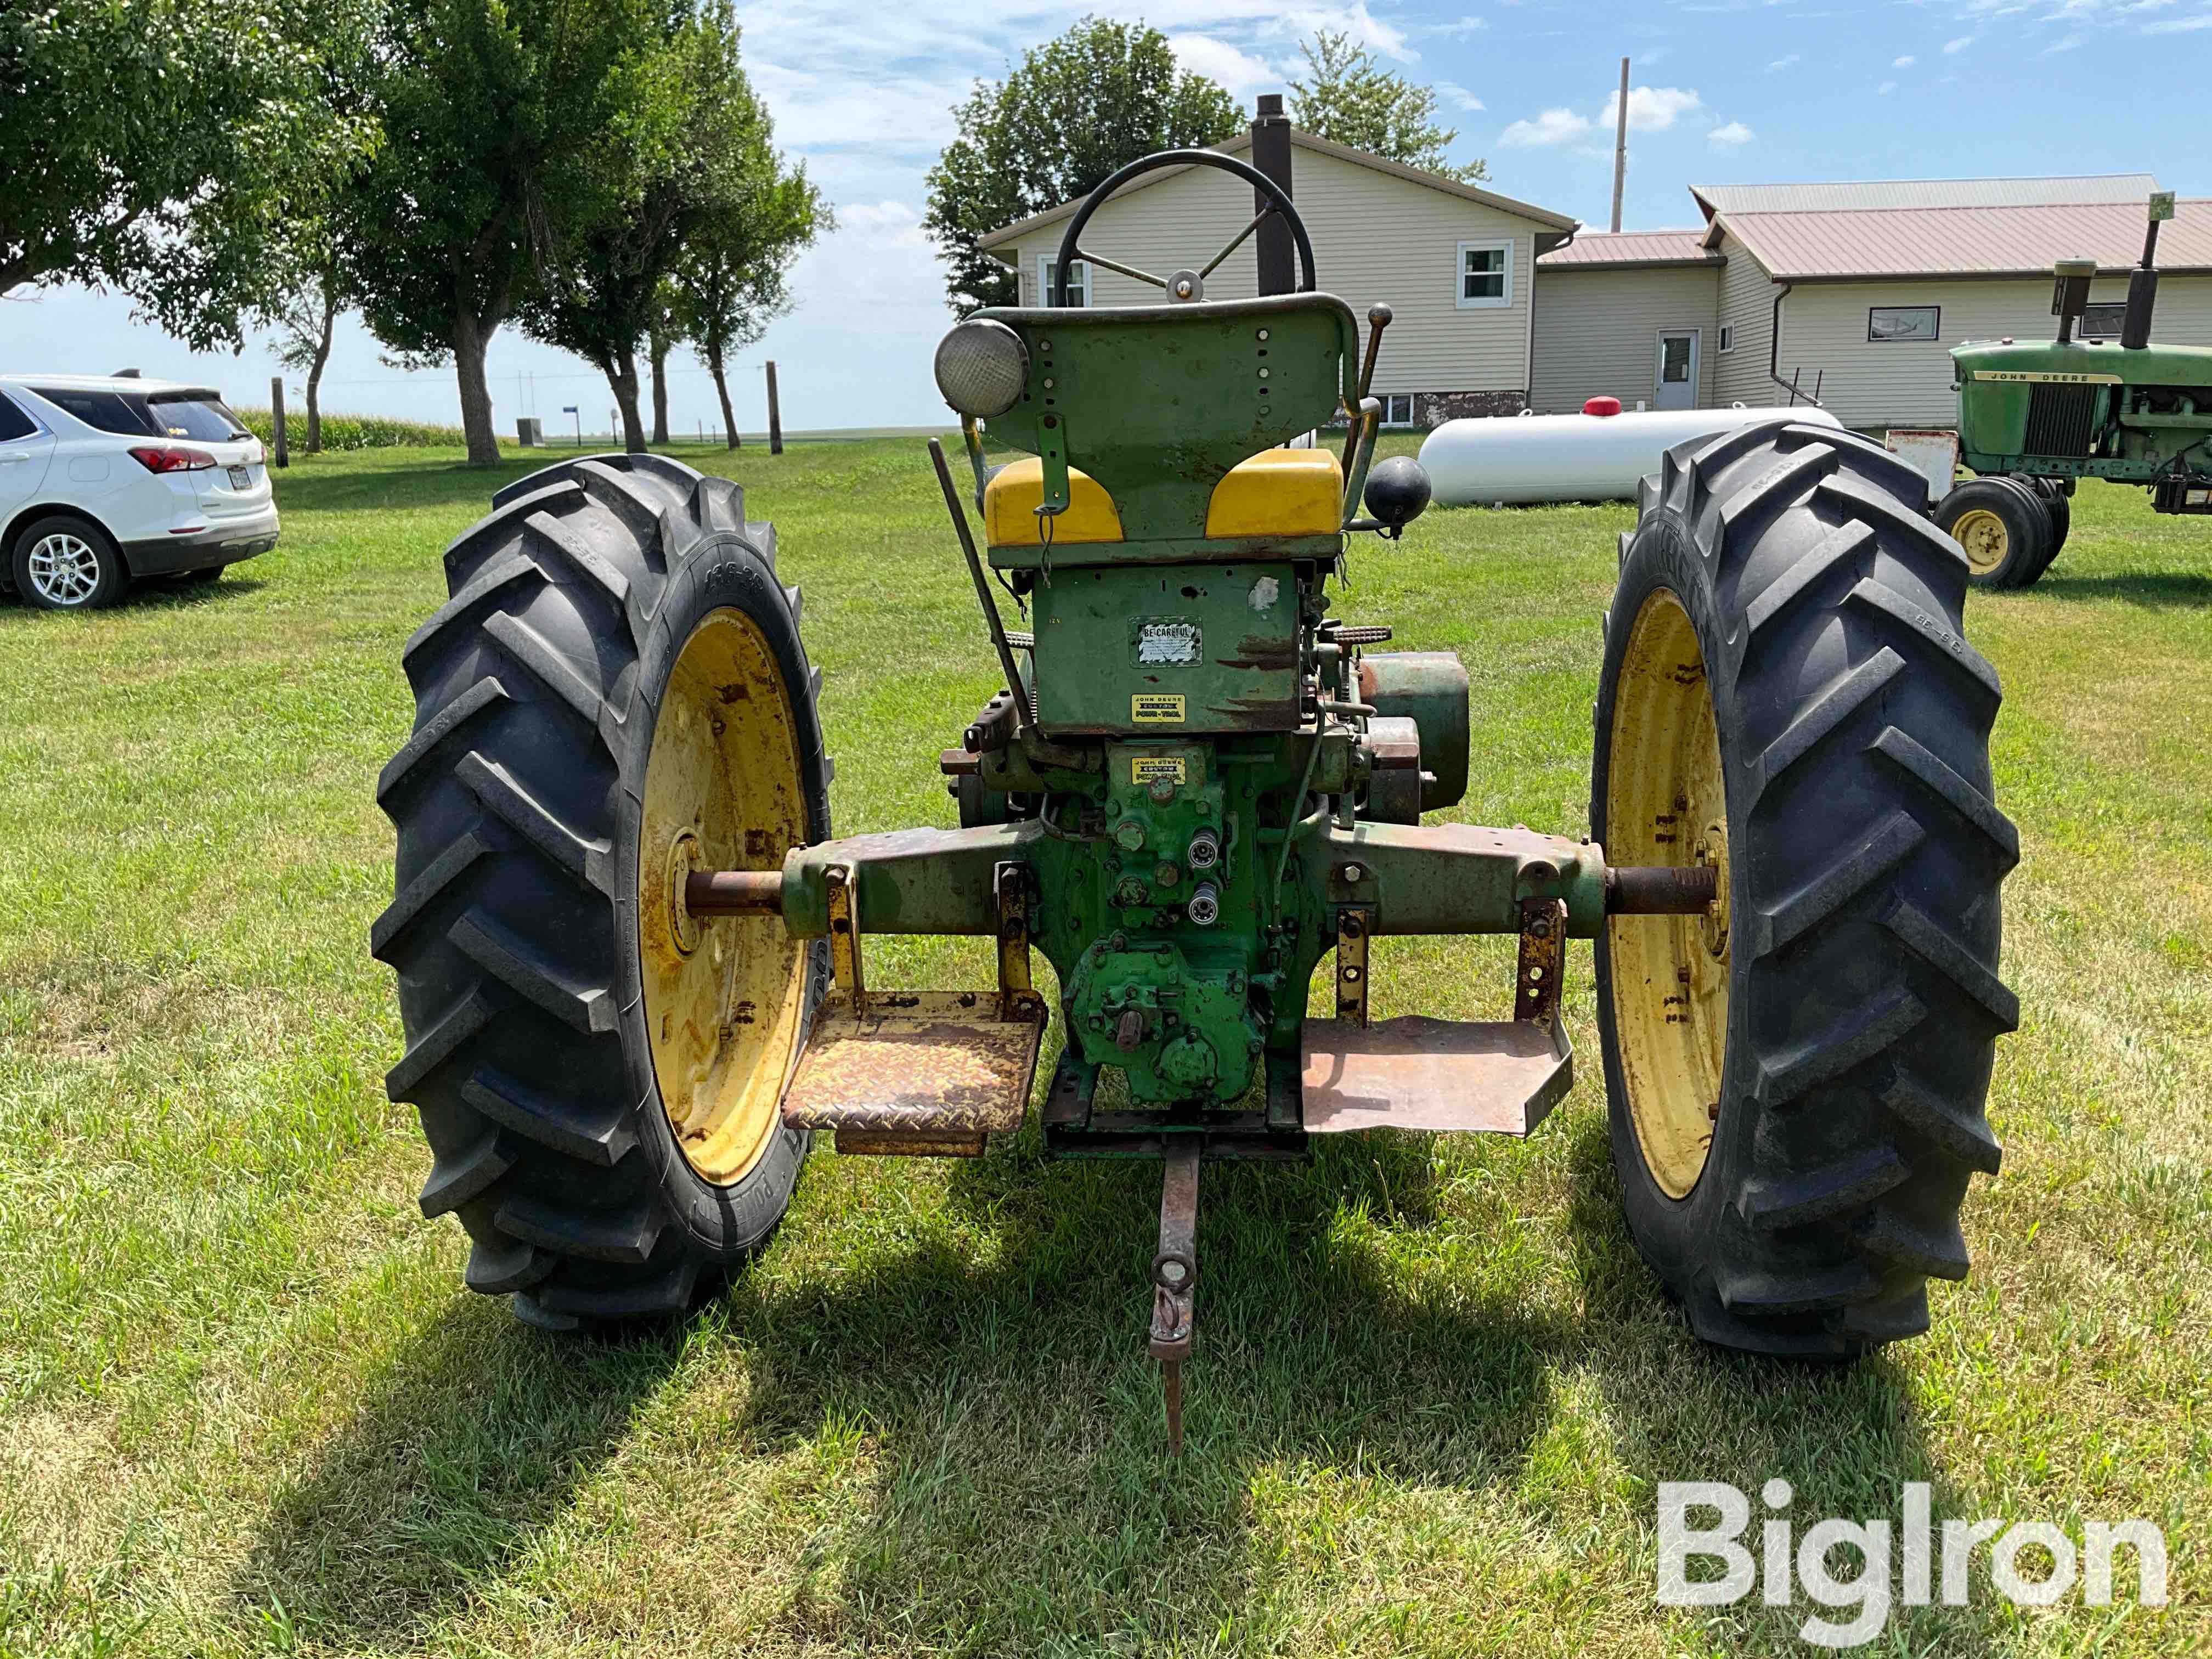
pixel 1157 709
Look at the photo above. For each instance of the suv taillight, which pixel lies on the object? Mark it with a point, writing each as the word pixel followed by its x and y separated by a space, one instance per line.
pixel 170 458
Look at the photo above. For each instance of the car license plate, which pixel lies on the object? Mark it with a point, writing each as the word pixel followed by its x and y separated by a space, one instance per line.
pixel 240 478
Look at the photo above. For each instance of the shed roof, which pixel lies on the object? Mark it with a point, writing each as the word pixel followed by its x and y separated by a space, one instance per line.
pixel 1631 250
pixel 1874 193
pixel 996 241
pixel 1965 241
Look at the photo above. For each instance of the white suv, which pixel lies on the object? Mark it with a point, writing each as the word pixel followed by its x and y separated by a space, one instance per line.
pixel 105 479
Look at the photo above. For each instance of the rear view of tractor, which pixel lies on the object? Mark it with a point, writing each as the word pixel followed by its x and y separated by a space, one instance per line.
pixel 632 957
pixel 2035 418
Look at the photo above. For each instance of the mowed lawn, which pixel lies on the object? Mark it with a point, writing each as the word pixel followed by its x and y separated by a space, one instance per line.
pixel 247 1407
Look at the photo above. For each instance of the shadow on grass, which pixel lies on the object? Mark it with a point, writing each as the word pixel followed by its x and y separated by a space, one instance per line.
pixel 1018 1497
pixel 405 485
pixel 153 593
pixel 2153 588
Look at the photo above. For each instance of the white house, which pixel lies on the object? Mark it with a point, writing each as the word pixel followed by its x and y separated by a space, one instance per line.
pixel 1456 262
pixel 1856 291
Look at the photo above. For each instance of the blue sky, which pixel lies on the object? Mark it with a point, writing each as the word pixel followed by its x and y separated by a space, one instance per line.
pixel 1726 91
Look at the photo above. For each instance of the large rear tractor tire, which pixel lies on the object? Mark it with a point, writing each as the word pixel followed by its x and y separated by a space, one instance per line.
pixel 1797 1080
pixel 615 695
pixel 2003 526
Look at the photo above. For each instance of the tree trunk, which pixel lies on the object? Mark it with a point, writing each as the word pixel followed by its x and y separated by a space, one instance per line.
pixel 315 376
pixel 470 338
pixel 722 391
pixel 660 391
pixel 622 380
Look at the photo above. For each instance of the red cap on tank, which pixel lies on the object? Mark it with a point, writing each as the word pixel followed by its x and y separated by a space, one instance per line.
pixel 1602 406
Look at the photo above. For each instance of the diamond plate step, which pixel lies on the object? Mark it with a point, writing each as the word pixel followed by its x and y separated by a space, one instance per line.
pixel 1491 1077
pixel 918 1073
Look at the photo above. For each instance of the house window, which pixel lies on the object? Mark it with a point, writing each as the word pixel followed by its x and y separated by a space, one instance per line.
pixel 2102 322
pixel 1904 322
pixel 1486 274
pixel 1078 281
pixel 1398 408
pixel 1727 336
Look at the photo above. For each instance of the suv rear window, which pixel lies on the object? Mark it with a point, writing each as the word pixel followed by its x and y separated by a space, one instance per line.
pixel 106 411
pixel 14 424
pixel 203 418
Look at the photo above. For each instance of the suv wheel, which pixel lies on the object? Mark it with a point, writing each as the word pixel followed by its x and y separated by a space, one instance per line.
pixel 65 563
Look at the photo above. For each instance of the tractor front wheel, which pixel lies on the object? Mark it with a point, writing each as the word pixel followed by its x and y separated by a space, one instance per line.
pixel 2003 526
pixel 1796 1078
pixel 614 696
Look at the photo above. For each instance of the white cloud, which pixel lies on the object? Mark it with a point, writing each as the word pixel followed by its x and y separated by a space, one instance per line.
pixel 1785 63
pixel 2180 24
pixel 2071 43
pixel 1553 126
pixel 1238 71
pixel 1651 109
pixel 1457 96
pixel 1884 89
pixel 1652 57
pixel 1960 45
pixel 1466 26
pixel 1905 62
pixel 1733 133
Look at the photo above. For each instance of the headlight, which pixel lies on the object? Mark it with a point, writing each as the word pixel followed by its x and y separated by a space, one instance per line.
pixel 981 367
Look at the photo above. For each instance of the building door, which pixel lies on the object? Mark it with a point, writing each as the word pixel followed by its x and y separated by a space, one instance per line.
pixel 1675 383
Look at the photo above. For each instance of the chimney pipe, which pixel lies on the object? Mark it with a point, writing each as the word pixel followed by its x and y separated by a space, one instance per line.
pixel 1620 146
pixel 2142 282
pixel 1271 154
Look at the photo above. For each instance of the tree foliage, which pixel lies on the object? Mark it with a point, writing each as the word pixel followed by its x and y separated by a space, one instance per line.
pixel 691 153
pixel 1076 109
pixel 175 149
pixel 1350 99
pixel 502 121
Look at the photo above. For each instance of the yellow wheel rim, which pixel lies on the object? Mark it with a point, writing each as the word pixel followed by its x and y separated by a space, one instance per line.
pixel 724 999
pixel 1665 804
pixel 1983 534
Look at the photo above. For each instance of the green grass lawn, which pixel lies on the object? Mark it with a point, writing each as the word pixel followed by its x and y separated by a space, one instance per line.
pixel 247 1407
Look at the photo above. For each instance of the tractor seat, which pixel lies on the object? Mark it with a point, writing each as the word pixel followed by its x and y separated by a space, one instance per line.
pixel 1277 492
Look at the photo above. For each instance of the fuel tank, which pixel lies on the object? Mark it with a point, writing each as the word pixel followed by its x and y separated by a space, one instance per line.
pixel 1573 457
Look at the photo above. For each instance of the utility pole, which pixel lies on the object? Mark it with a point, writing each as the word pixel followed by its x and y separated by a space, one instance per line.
pixel 276 420
pixel 1620 146
pixel 775 414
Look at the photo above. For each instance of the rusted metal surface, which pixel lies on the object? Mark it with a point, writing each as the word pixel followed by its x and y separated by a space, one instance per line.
pixel 733 892
pixel 959 763
pixel 1354 926
pixel 1464 878
pixel 1393 787
pixel 1493 1077
pixel 995 726
pixel 1174 1277
pixel 885 1143
pixel 1661 889
pixel 925 1063
pixel 845 970
pixel 1542 961
pixel 1015 986
pixel 909 881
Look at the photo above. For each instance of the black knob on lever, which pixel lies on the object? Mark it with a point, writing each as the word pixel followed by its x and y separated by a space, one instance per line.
pixel 1397 493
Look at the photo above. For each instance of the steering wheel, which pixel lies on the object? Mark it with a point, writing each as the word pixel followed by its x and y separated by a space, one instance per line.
pixel 1190 284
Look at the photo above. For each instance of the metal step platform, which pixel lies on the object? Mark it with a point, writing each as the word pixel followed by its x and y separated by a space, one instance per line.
pixel 920 1073
pixel 1444 1076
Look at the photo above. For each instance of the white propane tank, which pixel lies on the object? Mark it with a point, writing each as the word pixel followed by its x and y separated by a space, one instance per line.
pixel 1574 458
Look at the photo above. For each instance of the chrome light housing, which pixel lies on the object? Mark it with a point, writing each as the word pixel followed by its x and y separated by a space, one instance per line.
pixel 981 367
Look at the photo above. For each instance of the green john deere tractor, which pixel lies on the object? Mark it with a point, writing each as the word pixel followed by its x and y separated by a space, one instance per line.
pixel 2035 418
pixel 631 953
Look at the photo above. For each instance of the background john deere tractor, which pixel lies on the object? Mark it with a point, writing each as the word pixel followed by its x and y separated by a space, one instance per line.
pixel 617 893
pixel 2035 418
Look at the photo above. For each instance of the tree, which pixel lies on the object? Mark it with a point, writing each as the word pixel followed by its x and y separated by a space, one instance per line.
pixel 1078 108
pixel 685 156
pixel 497 116
pixel 304 322
pixel 172 149
pixel 730 283
pixel 1352 100
pixel 661 334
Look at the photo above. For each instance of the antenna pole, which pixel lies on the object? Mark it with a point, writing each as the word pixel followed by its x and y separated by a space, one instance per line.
pixel 1620 146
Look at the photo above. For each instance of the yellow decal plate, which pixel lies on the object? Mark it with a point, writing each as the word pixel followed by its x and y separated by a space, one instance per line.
pixel 1157 709
pixel 1147 769
pixel 2042 377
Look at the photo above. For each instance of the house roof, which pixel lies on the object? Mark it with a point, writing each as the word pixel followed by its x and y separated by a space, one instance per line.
pixel 1868 194
pixel 998 241
pixel 1631 250
pixel 1965 241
